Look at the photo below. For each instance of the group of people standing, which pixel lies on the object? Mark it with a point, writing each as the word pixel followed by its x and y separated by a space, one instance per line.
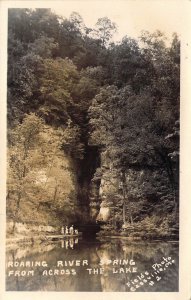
pixel 69 231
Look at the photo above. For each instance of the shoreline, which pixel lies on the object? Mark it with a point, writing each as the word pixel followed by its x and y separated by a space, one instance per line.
pixel 30 240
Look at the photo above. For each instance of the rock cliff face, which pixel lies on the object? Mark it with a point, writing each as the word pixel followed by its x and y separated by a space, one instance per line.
pixel 113 192
pixel 105 185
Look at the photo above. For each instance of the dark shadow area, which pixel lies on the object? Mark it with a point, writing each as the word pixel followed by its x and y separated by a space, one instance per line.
pixel 89 230
pixel 87 168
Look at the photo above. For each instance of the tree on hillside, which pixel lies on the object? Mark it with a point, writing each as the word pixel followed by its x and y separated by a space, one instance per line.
pixel 38 175
pixel 105 29
pixel 56 84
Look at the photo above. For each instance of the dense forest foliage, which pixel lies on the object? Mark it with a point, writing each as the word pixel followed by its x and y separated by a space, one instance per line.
pixel 91 123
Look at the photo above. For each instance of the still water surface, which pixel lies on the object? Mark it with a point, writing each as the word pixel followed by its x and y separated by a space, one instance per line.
pixel 125 266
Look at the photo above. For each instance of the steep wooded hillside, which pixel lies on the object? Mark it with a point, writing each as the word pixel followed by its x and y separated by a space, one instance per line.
pixel 93 126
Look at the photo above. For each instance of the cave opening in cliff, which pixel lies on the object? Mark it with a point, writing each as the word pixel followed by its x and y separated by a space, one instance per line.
pixel 88 191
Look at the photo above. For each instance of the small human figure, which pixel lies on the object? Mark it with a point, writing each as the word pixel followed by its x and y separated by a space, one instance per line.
pixel 66 230
pixel 62 230
pixel 71 230
pixel 76 231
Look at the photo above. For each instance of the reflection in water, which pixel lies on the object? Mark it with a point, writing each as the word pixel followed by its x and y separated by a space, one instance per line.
pixel 69 243
pixel 76 265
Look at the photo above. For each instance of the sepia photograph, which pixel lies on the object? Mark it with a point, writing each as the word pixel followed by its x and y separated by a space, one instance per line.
pixel 93 147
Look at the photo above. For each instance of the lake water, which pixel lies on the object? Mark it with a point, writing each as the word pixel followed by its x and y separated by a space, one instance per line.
pixel 115 265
